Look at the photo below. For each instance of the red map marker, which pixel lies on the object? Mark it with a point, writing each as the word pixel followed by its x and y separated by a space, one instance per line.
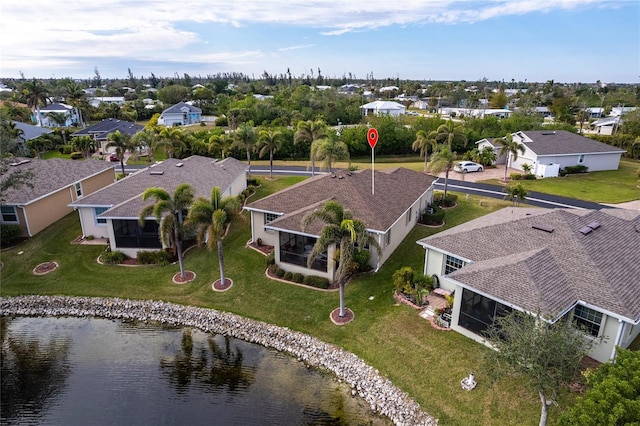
pixel 372 137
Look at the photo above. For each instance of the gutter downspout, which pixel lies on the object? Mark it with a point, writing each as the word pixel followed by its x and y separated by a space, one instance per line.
pixel 26 220
pixel 616 343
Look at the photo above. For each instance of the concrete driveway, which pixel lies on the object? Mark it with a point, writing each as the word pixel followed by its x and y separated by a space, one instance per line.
pixel 489 173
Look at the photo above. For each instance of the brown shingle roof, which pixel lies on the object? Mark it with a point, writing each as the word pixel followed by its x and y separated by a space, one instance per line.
pixel 535 269
pixel 203 173
pixel 395 191
pixel 50 176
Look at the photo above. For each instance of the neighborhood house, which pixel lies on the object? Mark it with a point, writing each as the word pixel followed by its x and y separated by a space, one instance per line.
pixel 564 264
pixel 180 114
pixel 100 132
pixel 389 211
pixel 113 212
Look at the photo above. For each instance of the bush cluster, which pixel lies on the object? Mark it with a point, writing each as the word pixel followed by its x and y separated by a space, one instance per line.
pixel 113 257
pixel 569 170
pixel 435 218
pixel 316 281
pixel 296 277
pixel 65 149
pixel 449 201
pixel 76 155
pixel 154 257
pixel 9 234
pixel 519 176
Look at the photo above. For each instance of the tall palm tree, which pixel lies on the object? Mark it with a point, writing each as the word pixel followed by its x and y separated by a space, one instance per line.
pixel 146 139
pixel 343 232
pixel 423 142
pixel 330 150
pixel 168 212
pixel 36 95
pixel 310 131
pixel 122 143
pixel 452 134
pixel 269 141
pixel 245 138
pixel 220 144
pixel 172 139
pixel 511 148
pixel 11 138
pixel 75 97
pixel 211 218
pixel 442 160
pixel 84 144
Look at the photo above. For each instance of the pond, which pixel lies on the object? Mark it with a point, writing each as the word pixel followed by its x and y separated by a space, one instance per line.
pixel 64 371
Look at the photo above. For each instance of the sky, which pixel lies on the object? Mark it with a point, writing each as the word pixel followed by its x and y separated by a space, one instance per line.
pixel 522 40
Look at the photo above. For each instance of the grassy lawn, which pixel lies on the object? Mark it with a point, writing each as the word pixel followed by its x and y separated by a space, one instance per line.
pixel 426 363
pixel 614 186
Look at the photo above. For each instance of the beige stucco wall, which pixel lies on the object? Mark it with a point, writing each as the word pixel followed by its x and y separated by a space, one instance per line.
pixel 89 225
pixel 48 210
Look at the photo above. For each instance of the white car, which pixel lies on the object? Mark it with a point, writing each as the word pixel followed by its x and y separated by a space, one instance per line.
pixel 467 166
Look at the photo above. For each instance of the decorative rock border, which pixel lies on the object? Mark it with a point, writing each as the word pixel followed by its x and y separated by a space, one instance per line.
pixel 218 286
pixel 45 267
pixel 188 277
pixel 378 391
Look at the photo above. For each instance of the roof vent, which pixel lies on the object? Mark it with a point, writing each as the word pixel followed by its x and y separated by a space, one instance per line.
pixel 156 172
pixel 549 133
pixel 340 177
pixel 585 230
pixel 544 228
pixel 333 176
pixel 179 164
pixel 594 225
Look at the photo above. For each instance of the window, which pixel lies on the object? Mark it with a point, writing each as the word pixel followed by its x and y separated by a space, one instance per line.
pixel 408 217
pixel 478 312
pixel 78 189
pixel 581 158
pixel 97 211
pixel 587 319
pixel 452 264
pixel 387 238
pixel 270 217
pixel 9 214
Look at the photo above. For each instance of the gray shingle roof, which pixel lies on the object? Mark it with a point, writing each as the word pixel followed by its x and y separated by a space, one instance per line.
pixel 535 269
pixel 559 142
pixel 203 173
pixel 50 176
pixel 101 130
pixel 395 191
pixel 31 132
pixel 177 108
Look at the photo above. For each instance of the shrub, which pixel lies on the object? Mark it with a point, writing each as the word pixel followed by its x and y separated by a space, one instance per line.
pixel 221 121
pixel 316 281
pixel 270 259
pixel 288 276
pixel 113 257
pixel 253 182
pixel 435 218
pixel 9 234
pixel 576 169
pixel 76 155
pixel 449 201
pixel 280 273
pixel 361 258
pixel 65 149
pixel 515 176
pixel 530 176
pixel 154 257
pixel 298 277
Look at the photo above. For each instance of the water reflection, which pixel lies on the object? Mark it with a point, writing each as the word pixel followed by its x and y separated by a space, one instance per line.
pixel 95 371
pixel 212 366
pixel 33 370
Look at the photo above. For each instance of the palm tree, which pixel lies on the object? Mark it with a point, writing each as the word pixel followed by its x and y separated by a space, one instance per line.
pixel 211 218
pixel 442 160
pixel 451 134
pixel 146 139
pixel 423 142
pixel 269 141
pixel 11 138
pixel 60 119
pixel 37 95
pixel 245 138
pixel 168 212
pixel 511 148
pixel 312 132
pixel 330 150
pixel 220 144
pixel 75 97
pixel 344 233
pixel 122 143
pixel 84 144
pixel 516 193
pixel 172 140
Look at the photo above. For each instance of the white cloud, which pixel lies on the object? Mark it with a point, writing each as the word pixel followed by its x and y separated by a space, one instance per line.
pixel 303 46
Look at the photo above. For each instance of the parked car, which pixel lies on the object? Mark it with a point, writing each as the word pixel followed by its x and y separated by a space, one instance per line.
pixel 467 166
pixel 114 157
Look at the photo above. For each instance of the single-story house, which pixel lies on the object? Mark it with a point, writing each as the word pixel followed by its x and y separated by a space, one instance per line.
pixel 580 265
pixel 389 210
pixel 100 131
pixel 560 148
pixel 55 184
pixel 113 211
pixel 619 111
pixel 393 109
pixel 97 100
pixel 180 114
pixel 29 131
pixel 69 112
pixel 607 125
pixel 595 112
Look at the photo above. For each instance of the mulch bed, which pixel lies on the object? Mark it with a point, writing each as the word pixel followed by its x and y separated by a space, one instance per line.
pixel 45 268
pixel 263 248
pixel 188 277
pixel 346 319
pixel 218 286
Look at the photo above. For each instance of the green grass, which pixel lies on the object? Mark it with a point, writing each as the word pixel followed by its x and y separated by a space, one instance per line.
pixel 426 363
pixel 613 186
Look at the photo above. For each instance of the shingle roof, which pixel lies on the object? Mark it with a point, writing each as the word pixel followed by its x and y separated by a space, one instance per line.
pixel 177 108
pixel 50 176
pixel 559 142
pixel 31 132
pixel 395 191
pixel 56 107
pixel 203 173
pixel 110 125
pixel 533 269
pixel 384 105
